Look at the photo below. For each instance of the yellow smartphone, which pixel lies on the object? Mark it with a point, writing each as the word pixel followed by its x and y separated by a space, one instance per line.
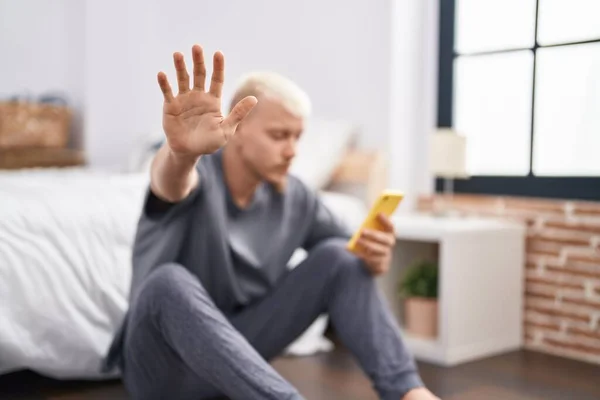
pixel 386 204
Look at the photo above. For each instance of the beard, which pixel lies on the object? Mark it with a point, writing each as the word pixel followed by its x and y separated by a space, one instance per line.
pixel 277 181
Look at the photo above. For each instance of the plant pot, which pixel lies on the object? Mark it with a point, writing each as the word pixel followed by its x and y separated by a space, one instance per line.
pixel 421 316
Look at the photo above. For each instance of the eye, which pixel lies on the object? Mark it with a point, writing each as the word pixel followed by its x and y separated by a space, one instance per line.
pixel 277 134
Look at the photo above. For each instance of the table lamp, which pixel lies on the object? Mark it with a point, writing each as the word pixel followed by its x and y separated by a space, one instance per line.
pixel 447 160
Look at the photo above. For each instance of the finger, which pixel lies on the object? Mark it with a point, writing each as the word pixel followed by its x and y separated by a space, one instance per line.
pixel 239 112
pixel 379 265
pixel 218 75
pixel 373 248
pixel 371 259
pixel 183 79
pixel 163 82
pixel 384 238
pixel 199 67
pixel 386 223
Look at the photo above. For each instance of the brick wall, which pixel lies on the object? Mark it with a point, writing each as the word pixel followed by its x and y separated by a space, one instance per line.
pixel 562 270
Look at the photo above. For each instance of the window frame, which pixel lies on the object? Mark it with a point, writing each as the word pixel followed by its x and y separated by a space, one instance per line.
pixel 555 187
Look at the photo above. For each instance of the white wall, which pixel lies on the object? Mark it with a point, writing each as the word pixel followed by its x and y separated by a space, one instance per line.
pixel 338 52
pixel 340 55
pixel 372 62
pixel 40 46
pixel 413 95
pixel 122 98
pixel 34 39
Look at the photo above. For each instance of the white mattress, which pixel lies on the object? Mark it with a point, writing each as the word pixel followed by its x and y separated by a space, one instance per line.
pixel 65 247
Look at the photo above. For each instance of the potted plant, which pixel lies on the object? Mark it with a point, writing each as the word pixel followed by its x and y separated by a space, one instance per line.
pixel 419 288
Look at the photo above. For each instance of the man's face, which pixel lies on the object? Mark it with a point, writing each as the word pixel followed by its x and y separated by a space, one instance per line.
pixel 267 139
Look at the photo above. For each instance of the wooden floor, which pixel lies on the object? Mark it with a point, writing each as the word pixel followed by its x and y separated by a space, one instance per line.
pixel 519 375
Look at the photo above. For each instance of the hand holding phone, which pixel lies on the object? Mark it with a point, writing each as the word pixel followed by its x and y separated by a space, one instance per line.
pixel 386 204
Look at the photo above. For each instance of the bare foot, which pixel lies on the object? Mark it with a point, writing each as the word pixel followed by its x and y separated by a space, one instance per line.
pixel 420 394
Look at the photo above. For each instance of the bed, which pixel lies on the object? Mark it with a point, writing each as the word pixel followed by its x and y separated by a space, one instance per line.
pixel 65 249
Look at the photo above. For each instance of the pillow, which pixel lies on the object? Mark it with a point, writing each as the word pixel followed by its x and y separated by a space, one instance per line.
pixel 143 150
pixel 350 209
pixel 320 150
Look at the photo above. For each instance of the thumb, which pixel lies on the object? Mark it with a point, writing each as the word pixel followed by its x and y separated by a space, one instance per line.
pixel 239 112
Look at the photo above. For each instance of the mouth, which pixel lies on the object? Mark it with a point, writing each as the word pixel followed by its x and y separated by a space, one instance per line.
pixel 283 168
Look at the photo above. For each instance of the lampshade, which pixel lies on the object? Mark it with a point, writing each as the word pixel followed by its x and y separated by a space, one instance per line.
pixel 447 155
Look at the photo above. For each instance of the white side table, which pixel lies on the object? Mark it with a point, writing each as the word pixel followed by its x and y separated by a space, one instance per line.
pixel 480 294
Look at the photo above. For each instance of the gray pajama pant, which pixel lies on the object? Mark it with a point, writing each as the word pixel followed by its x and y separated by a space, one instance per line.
pixel 180 346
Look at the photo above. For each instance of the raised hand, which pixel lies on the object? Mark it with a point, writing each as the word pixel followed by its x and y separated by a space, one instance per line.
pixel 192 120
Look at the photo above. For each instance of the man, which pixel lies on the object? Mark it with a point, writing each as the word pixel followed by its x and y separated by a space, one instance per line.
pixel 211 298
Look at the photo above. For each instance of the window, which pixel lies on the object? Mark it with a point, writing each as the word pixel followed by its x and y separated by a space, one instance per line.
pixel 521 80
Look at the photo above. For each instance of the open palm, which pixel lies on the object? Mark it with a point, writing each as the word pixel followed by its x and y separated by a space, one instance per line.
pixel 193 121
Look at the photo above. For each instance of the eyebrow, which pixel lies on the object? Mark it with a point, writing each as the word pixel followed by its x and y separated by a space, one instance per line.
pixel 276 128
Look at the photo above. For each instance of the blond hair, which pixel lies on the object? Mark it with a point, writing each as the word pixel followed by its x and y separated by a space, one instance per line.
pixel 274 86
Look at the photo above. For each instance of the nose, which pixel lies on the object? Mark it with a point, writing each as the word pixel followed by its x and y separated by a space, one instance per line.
pixel 289 150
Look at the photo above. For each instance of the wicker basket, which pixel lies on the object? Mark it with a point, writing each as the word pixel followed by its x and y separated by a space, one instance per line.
pixel 25 124
pixel 40 158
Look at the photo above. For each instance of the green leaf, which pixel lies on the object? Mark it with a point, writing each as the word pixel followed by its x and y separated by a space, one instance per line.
pixel 420 280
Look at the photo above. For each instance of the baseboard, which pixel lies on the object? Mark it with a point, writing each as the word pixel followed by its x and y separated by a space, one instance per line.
pixel 479 350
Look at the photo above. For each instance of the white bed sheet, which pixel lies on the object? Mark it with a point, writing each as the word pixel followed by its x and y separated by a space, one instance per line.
pixel 65 251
